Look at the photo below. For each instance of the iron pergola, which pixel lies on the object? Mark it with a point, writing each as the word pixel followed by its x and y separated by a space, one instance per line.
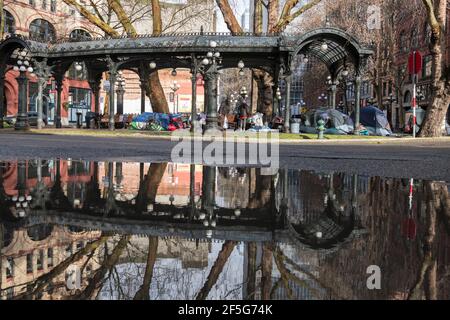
pixel 273 53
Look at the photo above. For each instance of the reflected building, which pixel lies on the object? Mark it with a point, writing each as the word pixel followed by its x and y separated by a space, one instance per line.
pixel 175 231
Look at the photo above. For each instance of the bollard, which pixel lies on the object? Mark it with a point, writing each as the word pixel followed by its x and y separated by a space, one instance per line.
pixel 79 122
pixel 320 129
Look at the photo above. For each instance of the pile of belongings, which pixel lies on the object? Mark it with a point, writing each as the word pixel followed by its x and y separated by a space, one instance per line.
pixel 336 122
pixel 158 122
pixel 257 124
pixel 375 121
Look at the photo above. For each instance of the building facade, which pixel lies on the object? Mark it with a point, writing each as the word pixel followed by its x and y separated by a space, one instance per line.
pixel 49 20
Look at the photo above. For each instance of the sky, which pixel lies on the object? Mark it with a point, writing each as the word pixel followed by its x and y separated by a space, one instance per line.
pixel 239 8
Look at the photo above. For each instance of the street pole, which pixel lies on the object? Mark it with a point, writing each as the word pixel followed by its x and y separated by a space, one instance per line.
pixel 414 104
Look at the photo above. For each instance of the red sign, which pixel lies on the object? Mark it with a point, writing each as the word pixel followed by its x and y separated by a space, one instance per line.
pixel 415 62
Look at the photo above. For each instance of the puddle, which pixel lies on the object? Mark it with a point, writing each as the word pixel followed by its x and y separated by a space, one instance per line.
pixel 110 230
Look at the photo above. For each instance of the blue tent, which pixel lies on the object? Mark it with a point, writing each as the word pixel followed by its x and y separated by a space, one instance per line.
pixel 374 120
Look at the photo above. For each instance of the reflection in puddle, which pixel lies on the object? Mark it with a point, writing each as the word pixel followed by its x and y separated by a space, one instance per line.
pixel 104 230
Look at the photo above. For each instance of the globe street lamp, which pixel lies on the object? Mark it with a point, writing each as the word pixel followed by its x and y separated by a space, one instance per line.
pixel 175 87
pixel 210 72
pixel 23 66
pixel 323 98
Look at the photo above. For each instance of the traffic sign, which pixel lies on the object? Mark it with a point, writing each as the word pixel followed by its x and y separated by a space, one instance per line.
pixel 415 63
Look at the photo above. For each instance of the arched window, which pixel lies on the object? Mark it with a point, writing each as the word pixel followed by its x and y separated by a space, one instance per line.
pixel 10 24
pixel 80 34
pixel 42 30
pixel 39 232
pixel 407 97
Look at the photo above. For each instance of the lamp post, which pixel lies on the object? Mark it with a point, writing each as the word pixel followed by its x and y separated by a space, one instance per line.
pixel 120 92
pixel 210 72
pixel 279 97
pixel 175 87
pixel 23 66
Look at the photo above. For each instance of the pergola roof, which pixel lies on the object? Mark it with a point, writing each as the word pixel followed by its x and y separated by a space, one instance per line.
pixel 258 51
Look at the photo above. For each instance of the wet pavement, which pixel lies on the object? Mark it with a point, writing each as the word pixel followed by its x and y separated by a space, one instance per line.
pixel 73 229
pixel 393 158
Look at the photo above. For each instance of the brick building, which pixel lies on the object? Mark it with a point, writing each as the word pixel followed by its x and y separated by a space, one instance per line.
pixel 48 20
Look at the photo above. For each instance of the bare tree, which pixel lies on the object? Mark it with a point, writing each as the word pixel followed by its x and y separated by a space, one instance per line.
pixel 436 13
pixel 277 23
pixel 115 18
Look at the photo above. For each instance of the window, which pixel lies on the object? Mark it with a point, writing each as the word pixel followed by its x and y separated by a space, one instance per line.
pixel 40 260
pixel 79 101
pixel 32 3
pixel 426 66
pixel 50 257
pixel 42 30
pixel 44 4
pixel 10 23
pixel 80 34
pixel 53 5
pixel 9 268
pixel 30 263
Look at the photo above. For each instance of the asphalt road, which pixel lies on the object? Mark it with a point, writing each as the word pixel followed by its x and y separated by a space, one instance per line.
pixel 421 160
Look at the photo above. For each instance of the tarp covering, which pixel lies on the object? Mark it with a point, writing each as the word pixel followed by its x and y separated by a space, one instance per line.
pixel 160 121
pixel 375 121
pixel 336 122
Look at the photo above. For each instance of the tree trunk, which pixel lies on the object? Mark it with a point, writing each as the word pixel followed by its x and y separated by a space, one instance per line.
pixel 265 94
pixel 144 291
pixel 2 20
pixel 229 17
pixel 156 94
pixel 216 269
pixel 273 12
pixel 437 110
pixel 258 17
pixel 154 177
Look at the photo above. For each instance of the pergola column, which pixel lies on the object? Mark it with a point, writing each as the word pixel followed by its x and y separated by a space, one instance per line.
pixel 112 66
pixel 22 116
pixel 357 104
pixel 120 95
pixel 211 95
pixel 287 111
pixel 95 84
pixel 194 98
pixel 333 91
pixel 59 88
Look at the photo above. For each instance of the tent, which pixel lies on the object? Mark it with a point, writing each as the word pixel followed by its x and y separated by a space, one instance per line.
pixel 374 120
pixel 336 122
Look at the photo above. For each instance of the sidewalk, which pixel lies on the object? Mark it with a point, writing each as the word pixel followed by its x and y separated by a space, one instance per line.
pixel 284 138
